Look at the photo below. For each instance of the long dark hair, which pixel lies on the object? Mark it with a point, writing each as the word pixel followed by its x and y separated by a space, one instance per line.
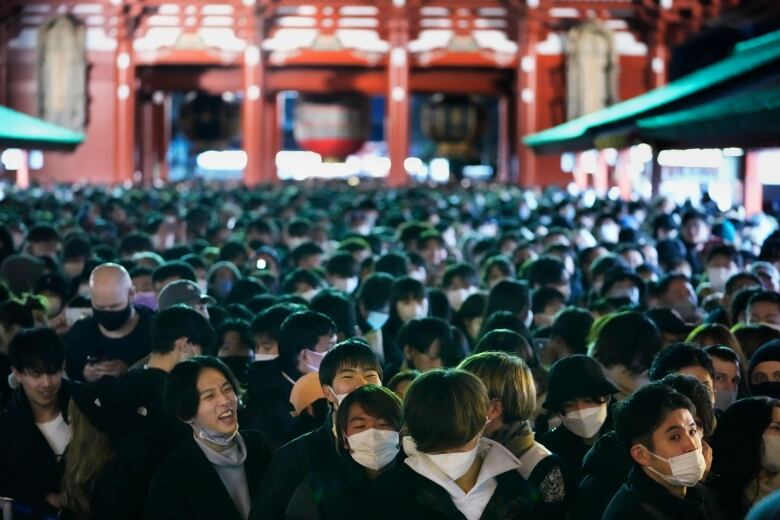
pixel 737 448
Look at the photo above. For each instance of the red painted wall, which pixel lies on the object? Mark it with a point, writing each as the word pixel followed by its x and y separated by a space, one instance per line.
pixel 92 161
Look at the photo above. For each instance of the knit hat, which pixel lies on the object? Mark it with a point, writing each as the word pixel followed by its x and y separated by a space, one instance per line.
pixel 574 377
pixel 105 407
pixel 767 352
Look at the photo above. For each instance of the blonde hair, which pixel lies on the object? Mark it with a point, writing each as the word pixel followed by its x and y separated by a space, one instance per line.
pixel 508 379
pixel 88 452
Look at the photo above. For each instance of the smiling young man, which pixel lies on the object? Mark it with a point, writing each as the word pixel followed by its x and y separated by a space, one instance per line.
pixel 351 364
pixel 34 432
pixel 656 427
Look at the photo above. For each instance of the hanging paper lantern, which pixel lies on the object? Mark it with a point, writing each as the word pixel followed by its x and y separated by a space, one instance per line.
pixel 332 126
pixel 452 122
pixel 209 121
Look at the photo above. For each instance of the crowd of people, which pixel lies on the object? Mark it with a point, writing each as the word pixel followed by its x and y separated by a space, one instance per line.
pixel 318 351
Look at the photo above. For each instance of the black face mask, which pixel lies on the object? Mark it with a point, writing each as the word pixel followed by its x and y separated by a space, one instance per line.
pixel 769 389
pixel 112 320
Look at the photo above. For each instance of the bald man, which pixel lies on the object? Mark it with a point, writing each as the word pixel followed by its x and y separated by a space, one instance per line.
pixel 117 335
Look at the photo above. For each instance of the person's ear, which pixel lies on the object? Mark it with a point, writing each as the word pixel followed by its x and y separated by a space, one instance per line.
pixel 329 395
pixel 640 455
pixel 181 344
pixel 407 352
pixel 495 409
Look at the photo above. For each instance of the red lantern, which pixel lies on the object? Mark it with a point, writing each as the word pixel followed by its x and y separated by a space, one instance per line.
pixel 332 126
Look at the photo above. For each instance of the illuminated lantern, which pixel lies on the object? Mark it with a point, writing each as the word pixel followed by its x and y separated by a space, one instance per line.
pixel 332 126
pixel 453 123
pixel 208 121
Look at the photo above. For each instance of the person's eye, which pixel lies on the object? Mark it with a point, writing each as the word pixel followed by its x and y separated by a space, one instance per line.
pixel 674 438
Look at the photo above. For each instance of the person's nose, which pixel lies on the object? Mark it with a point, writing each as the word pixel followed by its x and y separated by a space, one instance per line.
pixel 693 443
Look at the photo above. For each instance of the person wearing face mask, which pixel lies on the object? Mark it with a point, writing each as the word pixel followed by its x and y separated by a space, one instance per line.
pixel 746 467
pixel 304 283
pixel 350 365
pixel 268 385
pixel 623 285
pixel 606 466
pixel 116 335
pixel 722 262
pixel 220 278
pixel 212 473
pixel 546 302
pixel 459 282
pixel 511 296
pixel 178 334
pixel 580 394
pixel 468 319
pixel 451 469
pixel 234 347
pixel 408 301
pixel 729 383
pixel 511 409
pixel 764 370
pixel 342 272
pixel 656 428
pixel 368 422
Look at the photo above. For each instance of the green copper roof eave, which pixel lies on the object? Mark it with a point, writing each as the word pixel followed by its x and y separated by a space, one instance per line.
pixel 752 102
pixel 18 129
pixel 750 55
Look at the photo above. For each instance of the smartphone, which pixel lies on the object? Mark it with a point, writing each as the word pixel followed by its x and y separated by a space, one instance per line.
pixel 74 314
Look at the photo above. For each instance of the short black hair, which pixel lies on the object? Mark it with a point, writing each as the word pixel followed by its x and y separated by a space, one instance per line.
pixel 544 296
pixel 374 292
pixel 739 302
pixel 135 242
pixel 700 397
pixel 725 250
pixel 629 339
pixel 679 355
pixel 305 250
pixel 336 306
pixel 573 325
pixel 641 413
pixel 174 268
pixel 76 246
pixel 270 320
pixel 240 327
pixel 342 264
pixel 38 351
pixel 460 270
pixel 350 353
pixel 299 331
pixel 765 297
pixel 420 333
pixel 546 270
pixel 731 283
pixel 307 276
pixel 181 321
pixel 245 288
pixel 17 313
pixel 394 263
pixel 43 233
pixel 509 341
pixel 508 295
pixel 666 281
pixel 180 392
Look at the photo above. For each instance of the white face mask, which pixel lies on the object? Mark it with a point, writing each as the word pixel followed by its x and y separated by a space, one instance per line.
pixel 309 295
pixel 348 285
pixel 718 276
pixel 373 448
pixel 339 397
pixel 586 422
pixel 529 320
pixel 376 320
pixel 456 297
pixel 770 453
pixel 724 399
pixel 266 357
pixel 410 311
pixel 455 465
pixel 314 359
pixel 419 275
pixel 203 284
pixel 687 469
pixel 632 293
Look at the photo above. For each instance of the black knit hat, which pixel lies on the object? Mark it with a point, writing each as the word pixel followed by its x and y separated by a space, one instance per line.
pixel 573 377
pixel 105 406
pixel 769 351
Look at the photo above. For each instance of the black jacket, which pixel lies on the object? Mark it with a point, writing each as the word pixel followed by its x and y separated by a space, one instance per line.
pixel 571 449
pixel 268 407
pixel 29 469
pixel 332 491
pixel 186 485
pixel 641 498
pixel 403 493
pixel 605 468
pixel 289 467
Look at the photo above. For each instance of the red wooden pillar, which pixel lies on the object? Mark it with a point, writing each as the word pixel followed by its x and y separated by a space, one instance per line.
pixel 754 191
pixel 397 125
pixel 623 175
pixel 161 126
pixel 504 136
pixel 124 124
pixel 601 177
pixel 525 97
pixel 252 116
pixel 147 141
pixel 271 141
pixel 659 55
